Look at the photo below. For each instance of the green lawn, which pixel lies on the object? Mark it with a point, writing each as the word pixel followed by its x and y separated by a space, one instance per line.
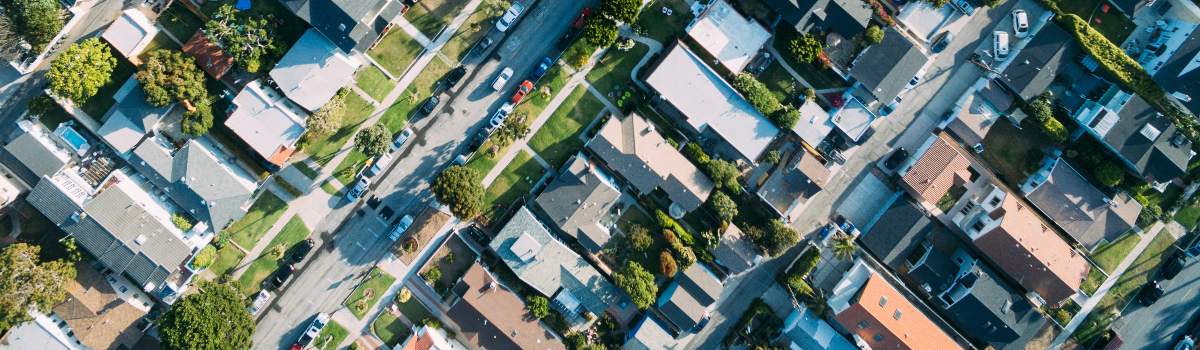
pixel 180 22
pixel 99 104
pixel 558 138
pixel 390 329
pixel 293 232
pixel 262 215
pixel 347 170
pixel 661 27
pixel 1126 287
pixel 612 73
pixel 474 29
pixel 396 52
pixel 1188 216
pixel 331 336
pixel 396 116
pixel 324 149
pixel 533 104
pixel 55 116
pixel 329 188
pixel 228 258
pixel 414 310
pixel 482 161
pixel 1108 256
pixel 514 181
pixel 369 292
pixel 430 16
pixel 815 74
pixel 250 282
pixel 372 80
pixel 160 41
pixel 781 83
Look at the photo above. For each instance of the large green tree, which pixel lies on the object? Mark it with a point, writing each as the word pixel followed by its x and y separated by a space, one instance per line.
pixel 806 48
pixel 459 187
pixel 329 118
pixel 724 174
pixel 248 39
pixel 600 31
pixel 37 20
pixel 373 141
pixel 169 76
pixel 620 10
pixel 213 318
pixel 638 283
pixel 723 206
pixel 27 282
pixel 79 71
pixel 10 40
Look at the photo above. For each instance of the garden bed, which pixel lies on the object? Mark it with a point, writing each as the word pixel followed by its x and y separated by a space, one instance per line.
pixel 368 292
pixel 425 226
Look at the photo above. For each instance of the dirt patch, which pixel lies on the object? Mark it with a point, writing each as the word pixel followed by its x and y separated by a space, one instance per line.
pixel 426 225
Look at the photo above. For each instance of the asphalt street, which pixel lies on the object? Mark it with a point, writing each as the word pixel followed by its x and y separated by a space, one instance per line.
pixel 1161 324
pixel 351 237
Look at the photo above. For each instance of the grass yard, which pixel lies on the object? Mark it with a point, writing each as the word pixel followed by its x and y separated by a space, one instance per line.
pixel 180 22
pixel 414 310
pixel 369 292
pixel 160 41
pixel 396 52
pixel 347 170
pixel 324 149
pixel 1114 25
pixel 475 28
pixel 1107 256
pixel 329 188
pixel 397 115
pixel 306 170
pixel 430 16
pixel 331 336
pixel 781 83
pixel 533 104
pixel 251 280
pixel 228 257
pixel 390 329
pixel 612 73
pixel 266 263
pixel 558 138
pixel 815 74
pixel 483 162
pixel 658 25
pixel 262 215
pixel 515 181
pixel 1125 288
pixel 55 116
pixel 1010 151
pixel 1188 216
pixel 99 104
pixel 372 80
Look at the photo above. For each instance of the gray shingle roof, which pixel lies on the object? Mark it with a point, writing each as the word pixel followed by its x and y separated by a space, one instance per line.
pixel 885 81
pixel 1036 65
pixel 196 180
pixel 681 308
pixel 577 201
pixel 701 283
pixel 1085 213
pixel 39 159
pixel 350 24
pixel 1157 159
pixel 634 150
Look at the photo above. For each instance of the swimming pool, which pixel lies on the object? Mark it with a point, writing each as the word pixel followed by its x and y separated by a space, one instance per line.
pixel 73 139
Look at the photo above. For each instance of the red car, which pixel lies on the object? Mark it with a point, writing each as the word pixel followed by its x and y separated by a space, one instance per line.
pixel 522 90
pixel 582 19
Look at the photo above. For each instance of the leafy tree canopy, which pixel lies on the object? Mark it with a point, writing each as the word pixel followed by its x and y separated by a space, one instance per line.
pixel 638 283
pixel 27 283
pixel 37 20
pixel 245 38
pixel 373 141
pixel 459 187
pixel 215 317
pixel 79 71
pixel 620 10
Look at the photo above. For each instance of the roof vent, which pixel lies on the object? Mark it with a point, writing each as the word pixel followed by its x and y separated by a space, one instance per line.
pixel 1150 132
pixel 141 239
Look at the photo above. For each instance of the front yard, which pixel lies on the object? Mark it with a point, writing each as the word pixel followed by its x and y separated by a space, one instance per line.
pixel 391 329
pixel 331 336
pixel 263 214
pixel 430 16
pixel 1107 257
pixel 372 81
pixel 558 138
pixel 324 149
pixel 396 51
pixel 1133 278
pixel 228 257
pixel 656 24
pixel 475 28
pixel 451 261
pixel 293 232
pixel 368 293
pixel 514 182
pixel 611 74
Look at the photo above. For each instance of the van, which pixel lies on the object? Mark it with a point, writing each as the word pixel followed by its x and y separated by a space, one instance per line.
pixel 1000 45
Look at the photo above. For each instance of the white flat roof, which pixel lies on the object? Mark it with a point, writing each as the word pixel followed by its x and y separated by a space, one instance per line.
pixel 728 36
pixel 265 119
pixel 854 119
pixel 313 70
pixel 708 101
pixel 815 123
pixel 130 33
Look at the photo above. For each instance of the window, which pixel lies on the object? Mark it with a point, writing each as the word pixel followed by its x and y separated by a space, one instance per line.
pixel 995 201
pixel 863 324
pixel 882 301
pixel 896 315
pixel 977 226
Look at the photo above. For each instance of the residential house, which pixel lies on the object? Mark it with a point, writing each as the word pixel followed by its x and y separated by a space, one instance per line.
pixel 1079 208
pixel 650 333
pixel 694 92
pixel 131 118
pixel 1143 139
pixel 636 153
pixel 814 125
pixel 130 33
pixel 351 25
pixel 99 312
pixel 972 119
pixel 879 317
pixel 1050 52
pixel 198 177
pixel 210 57
pixel 847 18
pixel 492 317
pixel 313 70
pixel 41 152
pixel 941 166
pixel 1177 74
pixel 686 302
pixel 428 338
pixel 734 253
pixel 882 83
pixel 803 329
pixel 728 36
pixel 268 122
pixel 799 177
pixel 941 268
pixel 581 202
pixel 573 286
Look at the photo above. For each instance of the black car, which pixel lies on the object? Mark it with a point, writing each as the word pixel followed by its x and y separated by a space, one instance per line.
pixel 281 276
pixel 1150 293
pixel 475 141
pixel 430 104
pixel 1173 266
pixel 301 250
pixel 455 76
pixel 941 41
pixel 896 158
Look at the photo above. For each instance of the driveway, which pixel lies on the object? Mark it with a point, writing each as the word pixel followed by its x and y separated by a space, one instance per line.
pixel 1161 324
pixel 351 236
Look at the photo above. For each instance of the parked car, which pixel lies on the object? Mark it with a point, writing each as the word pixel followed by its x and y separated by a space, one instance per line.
pixel 474 141
pixel 401 227
pixel 541 68
pixel 1174 265
pixel 259 303
pixel 1020 21
pixel 1000 45
pixel 916 79
pixel 499 117
pixel 401 138
pixel 896 158
pixel 455 75
pixel 311 333
pixel 941 41
pixel 281 276
pixel 522 90
pixel 510 17
pixel 502 78
pixel 301 250
pixel 359 188
pixel 430 104
pixel 1150 293
pixel 581 20
pixel 378 165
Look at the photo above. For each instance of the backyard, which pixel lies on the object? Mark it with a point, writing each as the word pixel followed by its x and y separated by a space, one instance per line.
pixel 1012 153
pixel 1129 282
pixel 390 328
pixel 558 138
pixel 816 75
pixel 430 16
pixel 658 25
pixel 451 261
pixel 97 105
pixel 263 214
pixel 396 51
pixel 287 27
pixel 514 182
pixel 369 292
pixel 1103 16
pixel 266 263
pixel 781 83
pixel 180 22
pixel 324 149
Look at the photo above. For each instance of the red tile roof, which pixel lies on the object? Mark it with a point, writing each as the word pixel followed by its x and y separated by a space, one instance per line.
pixel 942 166
pixel 883 318
pixel 208 55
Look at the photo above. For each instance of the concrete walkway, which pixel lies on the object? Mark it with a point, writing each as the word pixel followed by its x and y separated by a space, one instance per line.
pixel 654 48
pixel 521 144
pixel 1090 305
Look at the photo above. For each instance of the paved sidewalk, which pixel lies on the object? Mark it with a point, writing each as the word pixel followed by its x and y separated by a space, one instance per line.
pixel 310 208
pixel 1089 305
pixel 518 145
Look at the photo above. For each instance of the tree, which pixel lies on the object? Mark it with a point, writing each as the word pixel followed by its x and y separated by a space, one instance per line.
pixel 756 93
pixel 39 21
pixel 246 38
pixel 724 174
pixel 198 120
pixel 773 157
pixel 779 237
pixel 938 3
pixel 806 48
pixel 10 40
pixel 29 283
pixel 1109 174
pixel 459 187
pixel 667 263
pixel 205 257
pixel 786 118
pixel 538 306
pixel 79 72
pixel 329 118
pixel 873 35
pixel 600 31
pixel 843 246
pixel 620 10
pixel 213 318
pixel 639 238
pixel 169 76
pixel 1040 108
pixel 373 141
pixel 724 206
pixel 638 283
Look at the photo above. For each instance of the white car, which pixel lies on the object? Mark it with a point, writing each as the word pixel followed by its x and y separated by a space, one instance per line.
pixel 378 165
pixel 405 223
pixel 916 79
pixel 502 78
pixel 499 117
pixel 1000 45
pixel 510 17
pixel 259 303
pixel 1020 21
pixel 359 188
pixel 313 330
pixel 400 139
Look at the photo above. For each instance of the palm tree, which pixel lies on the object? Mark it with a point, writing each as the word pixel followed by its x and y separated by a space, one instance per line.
pixel 843 246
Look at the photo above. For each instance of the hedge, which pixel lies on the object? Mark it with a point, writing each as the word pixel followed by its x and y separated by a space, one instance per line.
pixel 666 222
pixel 761 98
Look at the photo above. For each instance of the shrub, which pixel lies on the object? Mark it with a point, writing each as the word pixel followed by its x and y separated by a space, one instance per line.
pixel 600 31
pixel 693 151
pixel 538 306
pixel 578 54
pixel 723 206
pixel 667 263
pixel 182 222
pixel 724 175
pixel 620 10
pixel 433 275
pixel 204 257
pixel 779 237
pixel 636 282
pixel 1109 174
pixel 873 35
pixel 756 93
pixel 786 118
pixel 639 238
pixel 773 157
pixel 805 48
pixel 798 286
pixel 807 262
pixel 1054 130
pixel 667 222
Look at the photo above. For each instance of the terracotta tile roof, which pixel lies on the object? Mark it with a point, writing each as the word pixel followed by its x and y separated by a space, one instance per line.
pixel 1028 250
pixel 883 318
pixel 208 55
pixel 97 314
pixel 942 166
pixel 494 318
